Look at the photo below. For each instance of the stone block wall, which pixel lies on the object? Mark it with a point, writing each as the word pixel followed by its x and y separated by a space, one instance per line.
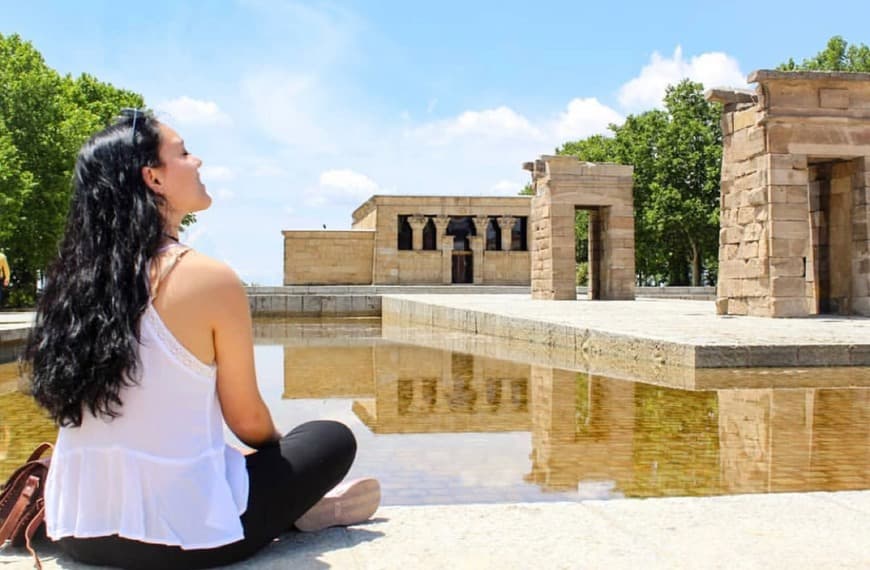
pixel 369 221
pixel 328 257
pixel 506 267
pixel 391 264
pixel 793 205
pixel 419 267
pixel 564 184
pixel 860 302
pixel 745 209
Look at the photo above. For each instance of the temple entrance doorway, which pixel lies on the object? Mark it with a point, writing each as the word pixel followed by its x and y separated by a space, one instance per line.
pixel 830 200
pixel 462 229
pixel 588 245
pixel 463 267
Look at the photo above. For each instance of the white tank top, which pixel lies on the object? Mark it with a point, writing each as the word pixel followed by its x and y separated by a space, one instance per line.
pixel 161 471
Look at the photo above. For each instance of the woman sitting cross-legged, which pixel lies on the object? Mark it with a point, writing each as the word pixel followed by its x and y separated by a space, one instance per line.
pixel 141 350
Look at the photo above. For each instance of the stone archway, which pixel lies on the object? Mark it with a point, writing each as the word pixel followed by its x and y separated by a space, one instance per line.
pixel 794 210
pixel 562 185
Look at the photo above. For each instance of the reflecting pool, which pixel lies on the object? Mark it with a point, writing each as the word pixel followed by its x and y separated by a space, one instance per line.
pixel 439 426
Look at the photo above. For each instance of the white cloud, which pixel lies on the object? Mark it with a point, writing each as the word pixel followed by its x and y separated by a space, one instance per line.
pixel 341 185
pixel 647 89
pixel 585 117
pixel 188 111
pixel 348 180
pixel 216 173
pixel 502 122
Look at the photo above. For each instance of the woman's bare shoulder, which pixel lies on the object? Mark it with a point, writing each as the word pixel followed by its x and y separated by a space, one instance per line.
pixel 208 275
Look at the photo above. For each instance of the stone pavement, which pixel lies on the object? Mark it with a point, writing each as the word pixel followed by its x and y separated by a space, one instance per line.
pixel 665 332
pixel 794 531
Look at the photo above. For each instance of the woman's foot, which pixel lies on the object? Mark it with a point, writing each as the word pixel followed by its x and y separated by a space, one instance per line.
pixel 349 503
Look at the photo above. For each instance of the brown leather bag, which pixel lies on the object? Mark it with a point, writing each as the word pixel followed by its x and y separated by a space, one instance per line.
pixel 22 509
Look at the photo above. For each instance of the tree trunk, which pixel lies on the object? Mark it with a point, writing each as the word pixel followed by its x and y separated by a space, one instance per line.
pixel 696 265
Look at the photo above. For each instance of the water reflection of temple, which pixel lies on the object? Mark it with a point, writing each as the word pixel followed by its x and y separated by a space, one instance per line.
pixel 643 439
pixel 653 441
pixel 408 389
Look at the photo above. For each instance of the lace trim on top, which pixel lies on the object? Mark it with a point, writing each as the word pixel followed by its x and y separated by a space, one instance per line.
pixel 175 348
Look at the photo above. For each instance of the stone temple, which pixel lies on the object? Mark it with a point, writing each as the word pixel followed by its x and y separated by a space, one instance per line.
pixel 483 240
pixel 417 240
pixel 794 195
pixel 794 215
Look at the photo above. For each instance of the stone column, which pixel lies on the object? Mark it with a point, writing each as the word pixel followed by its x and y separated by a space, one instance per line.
pixel 441 223
pixel 506 225
pixel 480 223
pixel 478 243
pixel 417 224
pixel 784 182
pixel 861 239
pixel 446 243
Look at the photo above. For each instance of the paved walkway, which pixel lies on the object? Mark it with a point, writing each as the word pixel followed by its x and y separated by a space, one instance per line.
pixel 795 531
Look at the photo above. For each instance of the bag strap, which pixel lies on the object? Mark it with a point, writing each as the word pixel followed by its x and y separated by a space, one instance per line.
pixel 42 448
pixel 30 487
pixel 31 530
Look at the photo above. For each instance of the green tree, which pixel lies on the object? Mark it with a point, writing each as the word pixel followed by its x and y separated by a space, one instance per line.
pixel 597 148
pixel 838 55
pixel 683 204
pixel 44 119
pixel 676 154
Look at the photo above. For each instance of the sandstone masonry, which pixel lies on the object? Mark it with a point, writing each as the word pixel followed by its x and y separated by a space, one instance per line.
pixel 562 185
pixel 794 195
pixel 417 240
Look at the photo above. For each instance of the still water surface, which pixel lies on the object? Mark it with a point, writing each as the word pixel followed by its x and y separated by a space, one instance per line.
pixel 439 427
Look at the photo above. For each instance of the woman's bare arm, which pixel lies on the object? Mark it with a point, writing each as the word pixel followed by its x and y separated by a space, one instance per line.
pixel 243 407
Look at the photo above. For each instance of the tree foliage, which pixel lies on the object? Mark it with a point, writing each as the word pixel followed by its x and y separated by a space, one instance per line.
pixel 838 55
pixel 676 154
pixel 44 119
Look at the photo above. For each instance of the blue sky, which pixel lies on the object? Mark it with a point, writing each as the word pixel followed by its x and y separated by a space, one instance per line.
pixel 302 110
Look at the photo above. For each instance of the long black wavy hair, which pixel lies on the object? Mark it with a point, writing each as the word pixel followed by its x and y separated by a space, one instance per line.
pixel 82 349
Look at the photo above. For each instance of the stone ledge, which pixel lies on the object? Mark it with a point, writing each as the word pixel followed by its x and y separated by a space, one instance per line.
pixel 649 337
pixel 774 75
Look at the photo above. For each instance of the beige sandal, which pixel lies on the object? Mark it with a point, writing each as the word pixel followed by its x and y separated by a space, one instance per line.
pixel 348 503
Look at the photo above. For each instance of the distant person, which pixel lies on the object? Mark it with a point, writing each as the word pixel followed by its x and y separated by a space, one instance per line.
pixel 5 274
pixel 142 348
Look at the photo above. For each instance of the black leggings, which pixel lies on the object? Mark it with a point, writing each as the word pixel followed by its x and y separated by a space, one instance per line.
pixel 286 480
